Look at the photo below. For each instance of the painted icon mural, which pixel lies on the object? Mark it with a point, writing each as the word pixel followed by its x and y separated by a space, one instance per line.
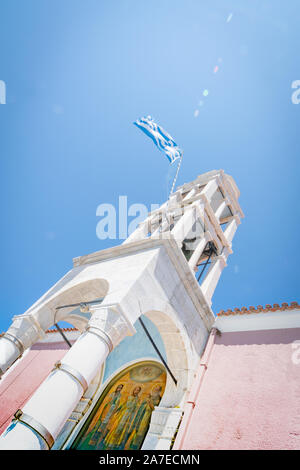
pixel 122 415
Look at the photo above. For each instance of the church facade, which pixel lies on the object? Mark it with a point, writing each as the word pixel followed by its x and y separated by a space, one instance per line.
pixel 148 365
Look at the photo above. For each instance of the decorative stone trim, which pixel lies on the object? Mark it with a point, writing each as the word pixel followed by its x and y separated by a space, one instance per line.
pixel 36 426
pixel 16 341
pixel 74 373
pixel 110 323
pixel 101 334
pixel 73 420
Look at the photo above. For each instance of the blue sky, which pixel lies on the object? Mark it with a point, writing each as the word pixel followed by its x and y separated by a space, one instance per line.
pixel 78 73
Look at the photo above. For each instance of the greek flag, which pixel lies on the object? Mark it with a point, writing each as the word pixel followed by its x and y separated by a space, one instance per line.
pixel 160 137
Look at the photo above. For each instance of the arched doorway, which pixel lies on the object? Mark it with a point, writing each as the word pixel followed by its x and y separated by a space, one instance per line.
pixel 121 417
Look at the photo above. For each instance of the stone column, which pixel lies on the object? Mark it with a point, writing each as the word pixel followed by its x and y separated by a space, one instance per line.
pixel 164 226
pixel 221 208
pixel 23 333
pixel 175 200
pixel 52 403
pixel 140 232
pixel 199 249
pixel 185 224
pixel 231 228
pixel 211 280
pixel 190 194
pixel 210 189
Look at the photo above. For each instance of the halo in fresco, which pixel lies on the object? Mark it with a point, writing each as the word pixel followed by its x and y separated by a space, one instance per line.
pixel 145 373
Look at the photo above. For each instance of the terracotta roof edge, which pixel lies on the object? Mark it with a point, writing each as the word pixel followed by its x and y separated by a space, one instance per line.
pixel 63 329
pixel 260 309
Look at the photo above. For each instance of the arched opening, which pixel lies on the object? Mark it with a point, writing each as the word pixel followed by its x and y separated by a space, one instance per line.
pixel 170 337
pixel 121 416
pixel 62 304
pixel 87 291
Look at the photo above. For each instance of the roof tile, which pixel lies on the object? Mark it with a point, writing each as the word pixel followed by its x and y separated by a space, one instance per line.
pixel 260 308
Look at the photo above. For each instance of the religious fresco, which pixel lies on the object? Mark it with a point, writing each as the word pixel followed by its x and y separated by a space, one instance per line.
pixel 122 415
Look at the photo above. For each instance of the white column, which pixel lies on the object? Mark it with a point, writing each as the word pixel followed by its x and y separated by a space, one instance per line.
pixel 210 189
pixel 231 228
pixel 164 225
pixel 220 209
pixel 211 280
pixel 190 194
pixel 199 249
pixel 23 333
pixel 184 224
pixel 175 200
pixel 55 399
pixel 140 232
pixel 9 353
pixel 212 230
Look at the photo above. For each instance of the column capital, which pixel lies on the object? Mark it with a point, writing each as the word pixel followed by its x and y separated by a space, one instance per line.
pixel 110 323
pixel 26 329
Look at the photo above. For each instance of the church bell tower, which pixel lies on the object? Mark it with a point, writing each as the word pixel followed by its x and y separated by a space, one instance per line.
pixel 166 271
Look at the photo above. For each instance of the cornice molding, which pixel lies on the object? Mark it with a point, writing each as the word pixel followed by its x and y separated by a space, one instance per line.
pixel 177 258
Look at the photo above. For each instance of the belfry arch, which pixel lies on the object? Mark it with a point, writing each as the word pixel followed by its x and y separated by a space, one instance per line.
pixel 28 328
pixel 177 346
pixel 87 291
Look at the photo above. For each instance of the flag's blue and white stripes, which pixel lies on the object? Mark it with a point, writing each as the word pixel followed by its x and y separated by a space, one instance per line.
pixel 160 137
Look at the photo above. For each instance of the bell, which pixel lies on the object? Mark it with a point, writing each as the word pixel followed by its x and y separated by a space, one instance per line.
pixel 84 308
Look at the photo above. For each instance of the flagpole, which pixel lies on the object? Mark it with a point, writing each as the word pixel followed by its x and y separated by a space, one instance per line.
pixel 176 176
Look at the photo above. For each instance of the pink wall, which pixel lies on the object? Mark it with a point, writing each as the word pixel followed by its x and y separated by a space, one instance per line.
pixel 18 386
pixel 249 397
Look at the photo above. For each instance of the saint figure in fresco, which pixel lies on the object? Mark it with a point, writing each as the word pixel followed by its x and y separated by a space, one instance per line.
pixel 142 418
pixel 96 435
pixel 122 421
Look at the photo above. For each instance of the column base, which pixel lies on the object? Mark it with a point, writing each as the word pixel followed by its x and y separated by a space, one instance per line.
pixel 163 426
